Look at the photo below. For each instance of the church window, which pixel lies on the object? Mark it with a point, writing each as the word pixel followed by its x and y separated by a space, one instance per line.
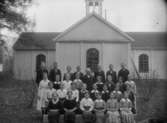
pixel 143 63
pixel 96 3
pixel 92 59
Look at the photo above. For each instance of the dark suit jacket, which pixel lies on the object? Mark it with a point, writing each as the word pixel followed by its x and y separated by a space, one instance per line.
pixel 53 73
pixel 124 74
pixel 89 81
pixel 102 74
pixel 113 74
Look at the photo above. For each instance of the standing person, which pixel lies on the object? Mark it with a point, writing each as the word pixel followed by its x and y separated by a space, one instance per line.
pixel 110 83
pixel 67 82
pixel 123 73
pixel 113 115
pixel 53 72
pixel 125 108
pixel 54 108
pixel 50 91
pixel 87 106
pixel 78 71
pixel 101 73
pixel 78 82
pixel 131 90
pixel 83 91
pixel 121 85
pixel 69 72
pixel 75 92
pixel 88 79
pixel 57 82
pixel 42 93
pixel 99 108
pixel 105 93
pixel 39 72
pixel 70 106
pixel 99 83
pixel 112 73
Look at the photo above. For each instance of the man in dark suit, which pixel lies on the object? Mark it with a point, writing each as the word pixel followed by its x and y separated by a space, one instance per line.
pixel 123 73
pixel 54 71
pixel 112 73
pixel 101 73
pixel 78 71
pixel 88 79
pixel 39 72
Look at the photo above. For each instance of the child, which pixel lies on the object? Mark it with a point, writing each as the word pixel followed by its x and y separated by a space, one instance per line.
pixel 99 108
pixel 62 93
pixel 113 110
pixel 57 82
pixel 54 108
pixel 42 93
pixel 94 92
pixel 110 83
pixel 75 92
pixel 99 84
pixel 50 91
pixel 83 91
pixel 70 106
pixel 117 93
pixel 125 109
pixel 78 81
pixel 86 106
pixel 105 93
pixel 67 82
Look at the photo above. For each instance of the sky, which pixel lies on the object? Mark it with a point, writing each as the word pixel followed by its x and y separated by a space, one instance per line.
pixel 128 15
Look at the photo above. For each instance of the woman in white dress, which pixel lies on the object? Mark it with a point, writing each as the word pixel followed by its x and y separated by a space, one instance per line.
pixel 112 106
pixel 42 92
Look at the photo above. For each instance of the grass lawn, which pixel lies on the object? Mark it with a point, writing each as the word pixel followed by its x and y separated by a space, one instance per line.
pixel 17 100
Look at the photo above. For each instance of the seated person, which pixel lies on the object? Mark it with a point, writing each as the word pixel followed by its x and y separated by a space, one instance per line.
pixel 110 83
pixel 67 82
pixel 78 81
pixel 83 91
pixel 94 92
pixel 126 109
pixel 105 93
pixel 86 106
pixel 99 84
pixel 54 108
pixel 99 108
pixel 57 82
pixel 75 92
pixel 112 107
pixel 70 106
pixel 62 93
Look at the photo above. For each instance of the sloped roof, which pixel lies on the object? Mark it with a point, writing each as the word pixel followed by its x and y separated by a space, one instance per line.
pixel 149 40
pixel 95 28
pixel 36 41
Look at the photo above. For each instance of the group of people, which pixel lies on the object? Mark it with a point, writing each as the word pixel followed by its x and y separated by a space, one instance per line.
pixel 97 96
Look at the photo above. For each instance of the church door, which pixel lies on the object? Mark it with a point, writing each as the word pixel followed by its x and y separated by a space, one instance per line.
pixel 92 59
pixel 39 59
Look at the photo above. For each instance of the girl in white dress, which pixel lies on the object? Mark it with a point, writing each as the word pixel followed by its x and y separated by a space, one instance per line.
pixel 42 92
pixel 113 115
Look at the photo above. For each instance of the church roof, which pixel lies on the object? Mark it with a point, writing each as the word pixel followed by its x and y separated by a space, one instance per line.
pixel 44 41
pixel 149 40
pixel 36 41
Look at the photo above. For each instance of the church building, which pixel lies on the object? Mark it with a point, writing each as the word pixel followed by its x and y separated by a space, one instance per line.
pixel 89 42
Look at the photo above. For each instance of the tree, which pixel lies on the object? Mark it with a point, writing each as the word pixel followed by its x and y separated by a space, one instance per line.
pixel 12 15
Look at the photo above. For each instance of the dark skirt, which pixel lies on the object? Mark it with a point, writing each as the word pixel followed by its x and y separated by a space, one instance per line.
pixel 53 116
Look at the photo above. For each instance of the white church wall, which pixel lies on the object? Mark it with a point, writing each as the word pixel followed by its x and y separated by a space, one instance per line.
pixel 115 53
pixel 25 63
pixel 157 62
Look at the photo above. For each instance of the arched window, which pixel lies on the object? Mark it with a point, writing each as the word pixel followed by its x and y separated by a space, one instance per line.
pixel 92 58
pixel 39 59
pixel 143 63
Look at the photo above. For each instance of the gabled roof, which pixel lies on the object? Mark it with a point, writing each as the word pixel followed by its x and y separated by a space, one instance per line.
pixel 149 40
pixel 99 30
pixel 36 41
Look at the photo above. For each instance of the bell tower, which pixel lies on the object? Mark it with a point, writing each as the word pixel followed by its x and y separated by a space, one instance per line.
pixel 94 6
